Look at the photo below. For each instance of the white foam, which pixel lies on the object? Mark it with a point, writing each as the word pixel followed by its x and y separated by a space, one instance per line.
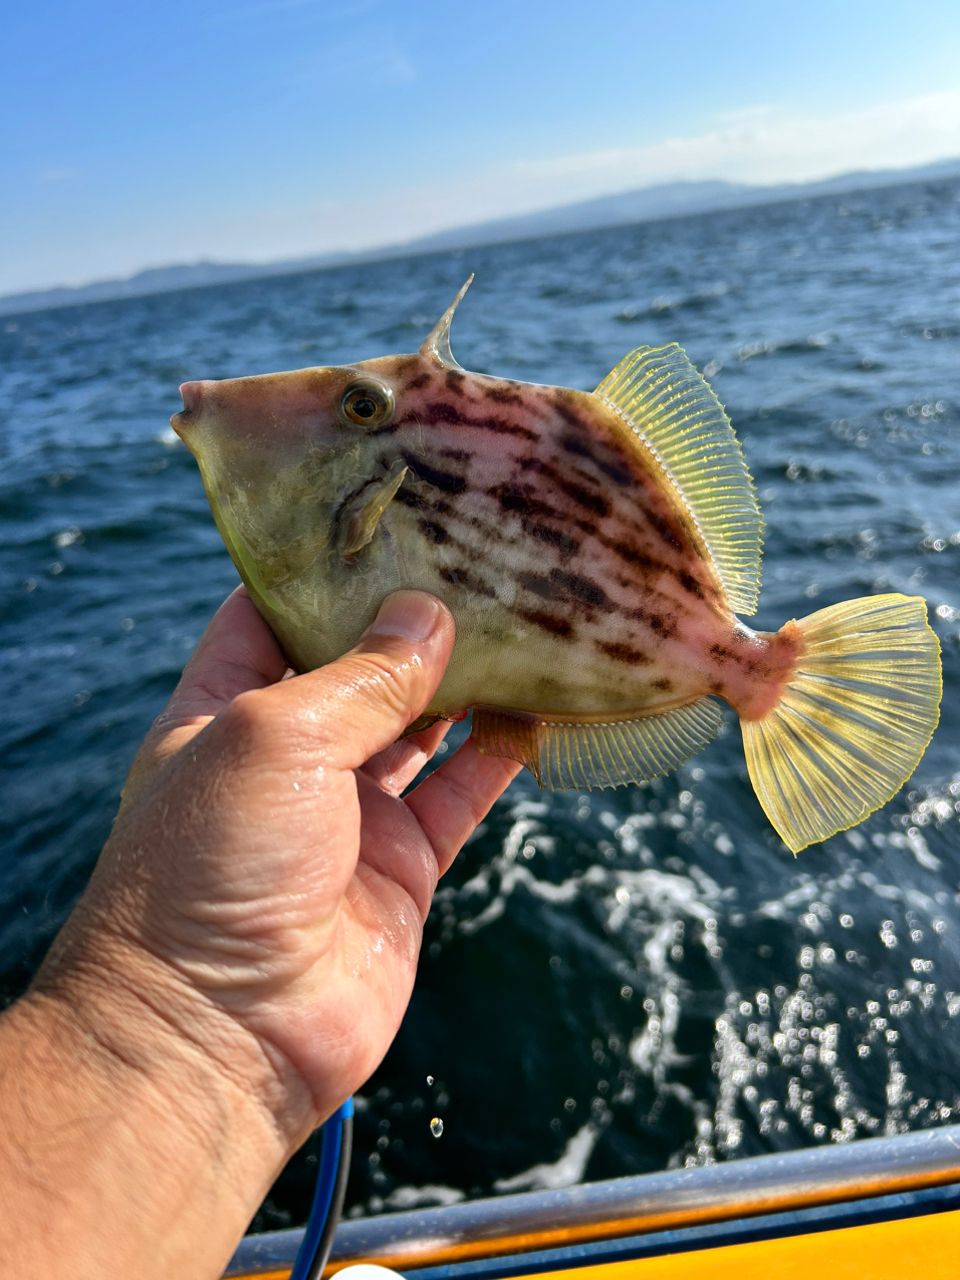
pixel 416 1197
pixel 565 1172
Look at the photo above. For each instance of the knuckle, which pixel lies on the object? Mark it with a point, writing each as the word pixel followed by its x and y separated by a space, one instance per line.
pixel 248 716
pixel 389 683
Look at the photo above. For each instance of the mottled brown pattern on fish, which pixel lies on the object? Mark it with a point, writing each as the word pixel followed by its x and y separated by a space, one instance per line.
pixel 690 584
pixel 435 531
pixel 612 469
pixel 582 589
pixel 512 498
pixel 554 538
pixel 529 511
pixel 590 500
pixel 467 581
pixel 407 496
pixel 448 481
pixel 624 653
pixel 503 395
pixel 407 367
pixel 447 413
pixel 566 588
pixel 549 622
pixel 661 625
pixel 575 508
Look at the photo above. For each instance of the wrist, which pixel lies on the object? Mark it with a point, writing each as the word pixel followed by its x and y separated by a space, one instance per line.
pixel 135 1015
pixel 126 1151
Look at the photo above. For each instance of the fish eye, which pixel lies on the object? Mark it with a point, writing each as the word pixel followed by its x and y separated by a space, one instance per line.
pixel 367 404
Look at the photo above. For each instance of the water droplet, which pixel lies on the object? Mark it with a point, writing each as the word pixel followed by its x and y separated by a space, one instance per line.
pixel 436 1127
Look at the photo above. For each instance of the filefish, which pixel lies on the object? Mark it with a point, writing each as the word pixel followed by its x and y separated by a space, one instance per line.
pixel 594 550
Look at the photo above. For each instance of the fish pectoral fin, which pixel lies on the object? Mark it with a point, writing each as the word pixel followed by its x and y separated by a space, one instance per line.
pixel 570 755
pixel 672 409
pixel 361 517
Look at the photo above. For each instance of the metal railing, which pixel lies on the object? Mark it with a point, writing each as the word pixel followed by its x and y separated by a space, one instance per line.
pixel 542 1220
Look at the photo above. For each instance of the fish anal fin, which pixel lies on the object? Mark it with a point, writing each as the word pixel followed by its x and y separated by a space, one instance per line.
pixel 568 755
pixel 668 405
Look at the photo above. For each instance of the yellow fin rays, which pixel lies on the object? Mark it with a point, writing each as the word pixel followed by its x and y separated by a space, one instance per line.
pixel 568 756
pixel 668 404
pixel 854 719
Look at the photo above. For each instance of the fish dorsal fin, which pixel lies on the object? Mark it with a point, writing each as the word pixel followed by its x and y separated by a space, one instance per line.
pixel 436 345
pixel 668 404
pixel 570 756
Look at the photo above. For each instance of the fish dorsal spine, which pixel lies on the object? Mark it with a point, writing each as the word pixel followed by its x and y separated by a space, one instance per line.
pixel 664 401
pixel 436 345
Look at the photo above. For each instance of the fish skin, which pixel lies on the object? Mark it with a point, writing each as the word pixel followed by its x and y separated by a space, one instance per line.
pixel 578 581
pixel 589 546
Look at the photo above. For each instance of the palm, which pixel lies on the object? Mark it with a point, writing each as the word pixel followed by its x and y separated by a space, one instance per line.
pixel 318 879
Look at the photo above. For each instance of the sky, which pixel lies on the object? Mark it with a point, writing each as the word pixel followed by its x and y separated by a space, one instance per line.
pixel 138 134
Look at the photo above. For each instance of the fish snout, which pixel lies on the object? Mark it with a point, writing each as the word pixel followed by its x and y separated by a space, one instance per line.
pixel 192 394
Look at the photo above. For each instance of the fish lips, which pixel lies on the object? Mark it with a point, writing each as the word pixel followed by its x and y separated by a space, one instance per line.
pixel 181 422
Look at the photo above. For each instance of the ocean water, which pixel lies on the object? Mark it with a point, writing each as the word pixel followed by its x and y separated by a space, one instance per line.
pixel 611 983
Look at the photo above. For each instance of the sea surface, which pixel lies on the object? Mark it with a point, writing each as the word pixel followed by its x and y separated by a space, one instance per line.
pixel 611 983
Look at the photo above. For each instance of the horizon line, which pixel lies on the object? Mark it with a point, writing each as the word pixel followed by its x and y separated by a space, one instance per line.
pixel 417 245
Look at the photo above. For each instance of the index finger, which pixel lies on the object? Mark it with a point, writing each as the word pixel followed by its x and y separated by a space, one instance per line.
pixel 237 652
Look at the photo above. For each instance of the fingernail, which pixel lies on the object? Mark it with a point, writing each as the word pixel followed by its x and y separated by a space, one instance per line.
pixel 411 615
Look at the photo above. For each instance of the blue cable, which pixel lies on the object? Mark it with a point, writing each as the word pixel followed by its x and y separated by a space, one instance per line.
pixel 314 1248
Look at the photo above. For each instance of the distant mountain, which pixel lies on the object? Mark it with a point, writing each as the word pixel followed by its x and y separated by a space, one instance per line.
pixel 189 275
pixel 647 204
pixel 671 199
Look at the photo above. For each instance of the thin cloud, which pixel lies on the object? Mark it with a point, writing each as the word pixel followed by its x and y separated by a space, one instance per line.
pixel 766 145
pixel 759 145
pixel 769 147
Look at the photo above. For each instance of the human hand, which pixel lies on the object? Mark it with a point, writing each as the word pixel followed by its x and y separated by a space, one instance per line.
pixel 264 889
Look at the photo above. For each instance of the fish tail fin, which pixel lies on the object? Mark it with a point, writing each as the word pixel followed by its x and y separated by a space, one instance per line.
pixel 853 719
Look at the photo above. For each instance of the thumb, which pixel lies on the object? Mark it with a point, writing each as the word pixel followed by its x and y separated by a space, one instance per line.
pixel 364 701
